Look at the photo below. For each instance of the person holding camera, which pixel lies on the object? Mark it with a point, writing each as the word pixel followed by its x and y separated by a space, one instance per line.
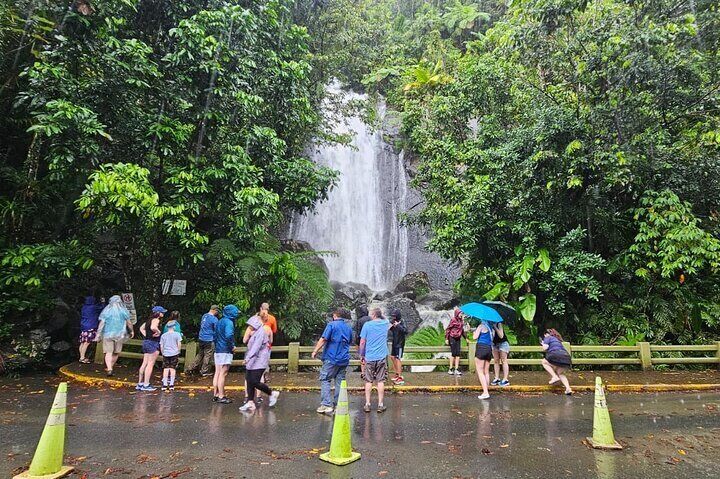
pixel 398 331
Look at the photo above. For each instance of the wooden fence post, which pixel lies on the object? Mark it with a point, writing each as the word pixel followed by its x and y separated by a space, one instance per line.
pixel 717 353
pixel 645 355
pixel 293 357
pixel 191 349
pixel 471 356
pixel 99 355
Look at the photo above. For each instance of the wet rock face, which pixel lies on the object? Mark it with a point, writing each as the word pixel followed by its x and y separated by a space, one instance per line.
pixel 439 300
pixel 406 306
pixel 350 295
pixel 416 283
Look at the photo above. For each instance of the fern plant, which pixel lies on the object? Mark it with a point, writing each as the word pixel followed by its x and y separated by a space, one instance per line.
pixel 428 336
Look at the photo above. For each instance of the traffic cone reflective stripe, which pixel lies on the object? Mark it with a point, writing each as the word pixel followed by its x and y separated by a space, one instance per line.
pixel 47 461
pixel 603 437
pixel 341 452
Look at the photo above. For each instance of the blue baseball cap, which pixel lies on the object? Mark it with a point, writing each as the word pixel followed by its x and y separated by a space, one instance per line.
pixel 159 309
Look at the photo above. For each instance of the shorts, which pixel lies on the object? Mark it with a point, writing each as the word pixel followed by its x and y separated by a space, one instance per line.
pixel 397 351
pixel 504 347
pixel 559 359
pixel 375 371
pixel 150 347
pixel 483 352
pixel 88 336
pixel 171 362
pixel 455 344
pixel 221 359
pixel 112 346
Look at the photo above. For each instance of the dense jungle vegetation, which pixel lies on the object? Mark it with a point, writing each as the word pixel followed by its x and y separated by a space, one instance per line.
pixel 568 152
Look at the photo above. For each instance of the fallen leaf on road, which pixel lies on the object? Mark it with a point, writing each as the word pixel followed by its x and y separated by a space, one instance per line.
pixel 504 445
pixel 194 442
pixel 382 473
pixel 425 442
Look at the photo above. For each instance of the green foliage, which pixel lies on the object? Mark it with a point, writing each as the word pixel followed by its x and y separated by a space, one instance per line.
pixel 427 336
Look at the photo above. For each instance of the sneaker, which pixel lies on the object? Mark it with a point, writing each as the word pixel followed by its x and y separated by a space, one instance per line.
pixel 381 408
pixel 258 398
pixel 248 407
pixel 273 398
pixel 216 399
pixel 504 382
pixel 366 408
pixel 451 371
pixel 138 387
pixel 399 382
pixel 324 410
pixel 164 388
pixel 568 393
pixel 458 373
pixel 224 400
pixel 171 388
pixel 109 373
pixel 495 382
pixel 148 388
pixel 484 396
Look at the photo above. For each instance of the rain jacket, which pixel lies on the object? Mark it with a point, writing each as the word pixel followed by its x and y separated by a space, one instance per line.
pixel 115 317
pixel 90 313
pixel 258 353
pixel 456 328
pixel 225 330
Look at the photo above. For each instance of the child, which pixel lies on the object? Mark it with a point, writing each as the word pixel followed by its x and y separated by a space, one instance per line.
pixel 170 348
pixel 557 360
pixel 399 331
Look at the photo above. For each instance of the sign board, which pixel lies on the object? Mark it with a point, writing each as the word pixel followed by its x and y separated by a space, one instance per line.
pixel 129 301
pixel 175 287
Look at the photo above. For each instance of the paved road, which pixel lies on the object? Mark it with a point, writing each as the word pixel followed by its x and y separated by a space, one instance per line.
pixel 118 434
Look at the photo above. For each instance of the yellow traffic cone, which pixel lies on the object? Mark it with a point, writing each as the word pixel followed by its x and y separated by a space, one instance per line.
pixel 341 452
pixel 603 437
pixel 47 461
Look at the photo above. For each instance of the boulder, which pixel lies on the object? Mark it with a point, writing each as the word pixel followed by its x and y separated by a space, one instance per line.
pixel 439 299
pixel 417 284
pixel 407 309
pixel 382 295
pixel 349 295
pixel 297 246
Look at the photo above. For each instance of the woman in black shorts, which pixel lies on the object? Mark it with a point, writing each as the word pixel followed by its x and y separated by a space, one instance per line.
pixel 557 360
pixel 483 356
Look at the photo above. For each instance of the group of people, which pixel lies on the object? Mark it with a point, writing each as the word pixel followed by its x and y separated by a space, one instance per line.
pixel 111 324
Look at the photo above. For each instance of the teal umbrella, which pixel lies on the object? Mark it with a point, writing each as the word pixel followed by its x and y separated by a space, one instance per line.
pixel 481 312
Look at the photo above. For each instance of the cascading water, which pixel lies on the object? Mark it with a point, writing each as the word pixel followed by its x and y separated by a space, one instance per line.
pixel 359 220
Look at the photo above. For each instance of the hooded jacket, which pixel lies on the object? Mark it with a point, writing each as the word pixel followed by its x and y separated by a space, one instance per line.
pixel 258 353
pixel 225 330
pixel 90 313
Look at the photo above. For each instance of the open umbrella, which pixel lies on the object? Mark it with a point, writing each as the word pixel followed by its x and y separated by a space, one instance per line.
pixel 482 312
pixel 507 312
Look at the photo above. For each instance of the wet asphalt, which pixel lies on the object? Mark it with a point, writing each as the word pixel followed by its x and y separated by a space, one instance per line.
pixel 117 433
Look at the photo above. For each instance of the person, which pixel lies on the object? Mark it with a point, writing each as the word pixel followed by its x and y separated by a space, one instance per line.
pixel 224 341
pixel 170 349
pixel 336 339
pixel 271 320
pixel 453 336
pixel 557 360
pixel 114 327
pixel 257 359
pixel 373 352
pixel 89 322
pixel 150 330
pixel 399 331
pixel 483 354
pixel 363 316
pixel 206 347
pixel 500 351
pixel 263 316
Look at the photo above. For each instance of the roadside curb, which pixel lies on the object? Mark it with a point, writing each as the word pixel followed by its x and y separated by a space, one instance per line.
pixel 95 381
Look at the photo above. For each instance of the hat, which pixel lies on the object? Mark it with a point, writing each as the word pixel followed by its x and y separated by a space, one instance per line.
pixel 215 307
pixel 159 309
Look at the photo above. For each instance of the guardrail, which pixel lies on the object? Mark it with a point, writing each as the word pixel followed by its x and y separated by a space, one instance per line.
pixel 643 354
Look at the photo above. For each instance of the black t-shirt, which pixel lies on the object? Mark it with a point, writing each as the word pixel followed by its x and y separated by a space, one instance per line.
pixel 399 331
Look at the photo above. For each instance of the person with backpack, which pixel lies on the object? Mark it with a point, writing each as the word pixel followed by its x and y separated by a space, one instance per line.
pixel 454 334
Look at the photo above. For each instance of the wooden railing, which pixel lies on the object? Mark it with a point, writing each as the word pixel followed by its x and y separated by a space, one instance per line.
pixel 642 354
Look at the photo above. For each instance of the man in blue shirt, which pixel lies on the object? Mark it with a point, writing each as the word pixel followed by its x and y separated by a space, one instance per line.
pixel 206 346
pixel 373 352
pixel 336 338
pixel 224 346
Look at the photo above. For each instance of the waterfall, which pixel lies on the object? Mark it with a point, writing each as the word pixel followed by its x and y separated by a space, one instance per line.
pixel 359 220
